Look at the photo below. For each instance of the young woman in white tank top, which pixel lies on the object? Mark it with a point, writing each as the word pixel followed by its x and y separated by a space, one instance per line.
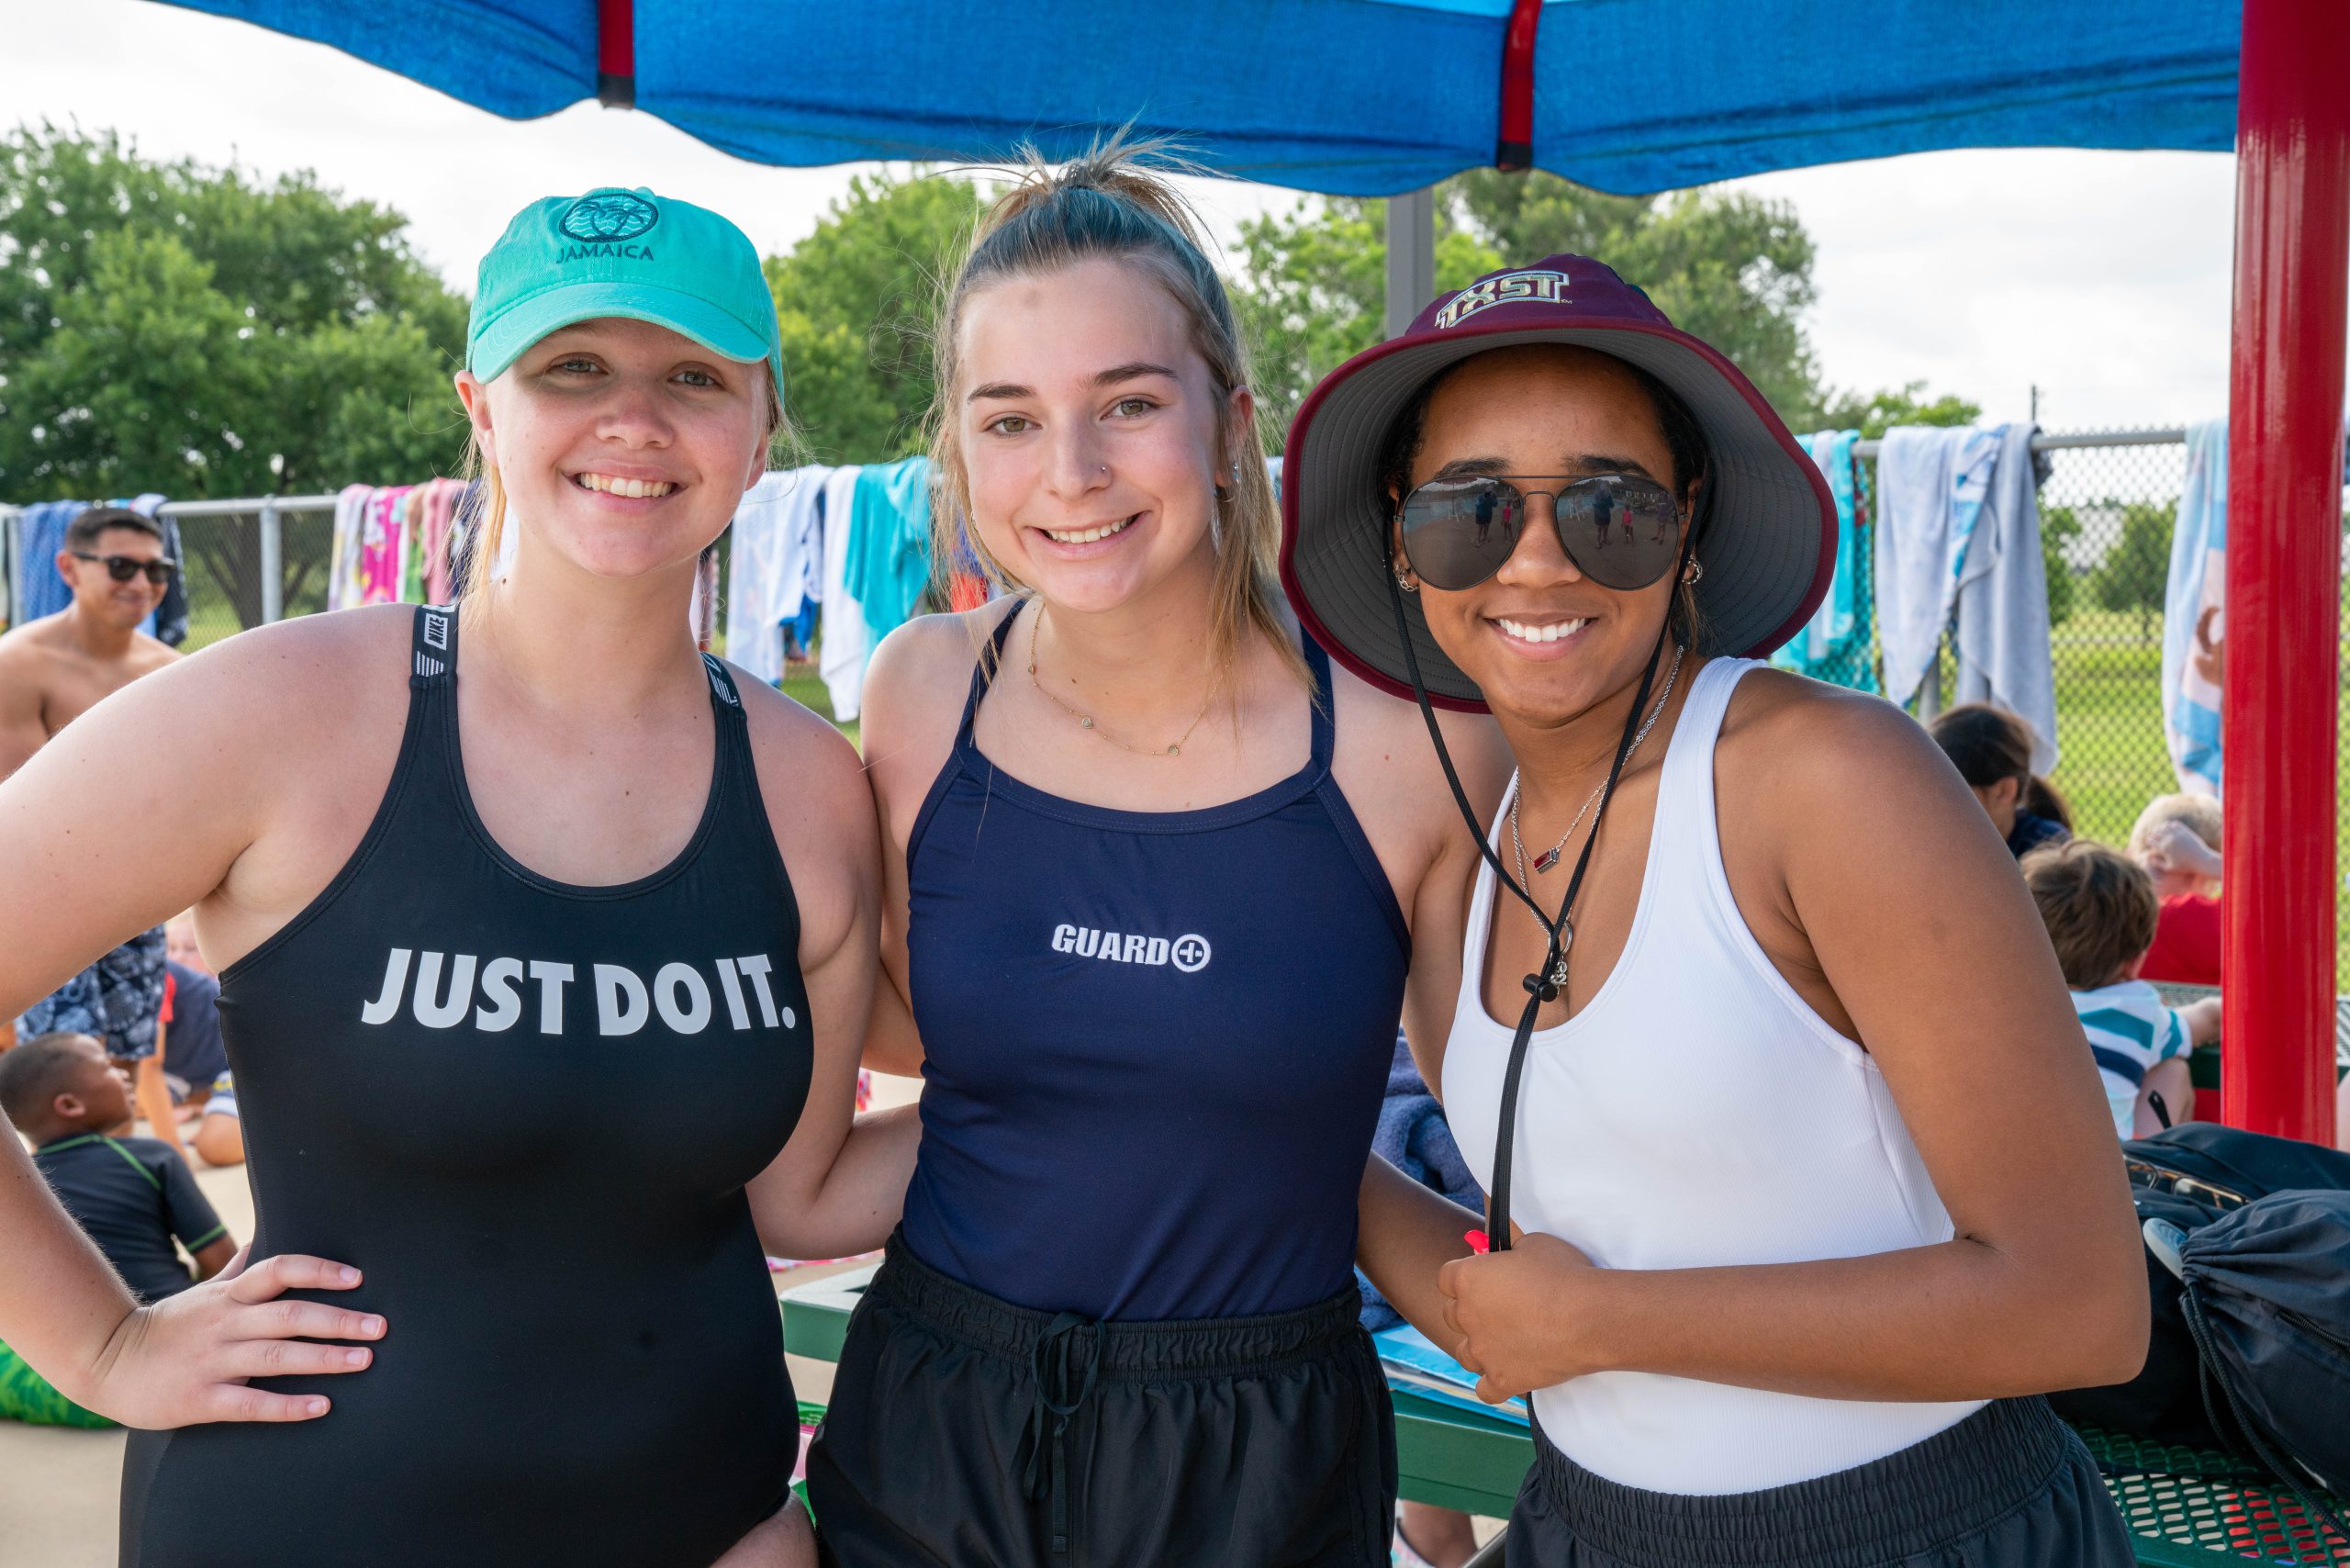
pixel 1811 1187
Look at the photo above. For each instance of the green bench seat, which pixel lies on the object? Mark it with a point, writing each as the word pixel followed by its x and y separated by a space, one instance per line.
pixel 2189 1507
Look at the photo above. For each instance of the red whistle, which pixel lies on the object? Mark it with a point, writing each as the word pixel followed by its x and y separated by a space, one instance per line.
pixel 1478 1241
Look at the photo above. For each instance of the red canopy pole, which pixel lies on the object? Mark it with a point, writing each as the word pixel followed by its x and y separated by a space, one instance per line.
pixel 2292 272
pixel 616 53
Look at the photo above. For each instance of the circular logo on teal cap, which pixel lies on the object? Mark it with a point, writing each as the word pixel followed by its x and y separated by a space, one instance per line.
pixel 608 216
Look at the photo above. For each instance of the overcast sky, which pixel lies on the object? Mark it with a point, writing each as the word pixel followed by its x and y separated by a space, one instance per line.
pixel 2101 277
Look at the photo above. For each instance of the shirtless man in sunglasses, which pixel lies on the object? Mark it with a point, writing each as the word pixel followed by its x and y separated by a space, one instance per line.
pixel 57 668
pixel 53 671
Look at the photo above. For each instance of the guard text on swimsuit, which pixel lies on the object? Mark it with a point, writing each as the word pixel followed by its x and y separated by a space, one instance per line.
pixel 1188 952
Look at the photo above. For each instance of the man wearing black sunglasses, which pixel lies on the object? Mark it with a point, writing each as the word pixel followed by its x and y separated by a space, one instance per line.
pixel 53 671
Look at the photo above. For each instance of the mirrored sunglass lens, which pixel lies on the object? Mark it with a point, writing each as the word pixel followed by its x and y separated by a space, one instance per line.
pixel 1456 532
pixel 1620 535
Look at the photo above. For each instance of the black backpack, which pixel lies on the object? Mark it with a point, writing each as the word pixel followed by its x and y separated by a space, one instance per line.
pixel 2192 1175
pixel 2265 1291
pixel 2251 1342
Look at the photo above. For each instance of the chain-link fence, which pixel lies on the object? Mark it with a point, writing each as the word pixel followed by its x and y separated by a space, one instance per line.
pixel 2107 509
pixel 233 564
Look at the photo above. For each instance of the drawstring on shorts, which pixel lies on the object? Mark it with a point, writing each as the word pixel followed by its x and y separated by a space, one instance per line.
pixel 1050 1365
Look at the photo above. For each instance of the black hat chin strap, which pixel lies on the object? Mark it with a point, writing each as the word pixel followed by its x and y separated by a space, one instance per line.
pixel 1540 987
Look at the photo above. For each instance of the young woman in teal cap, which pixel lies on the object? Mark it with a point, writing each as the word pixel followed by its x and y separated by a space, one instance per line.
pixel 543 986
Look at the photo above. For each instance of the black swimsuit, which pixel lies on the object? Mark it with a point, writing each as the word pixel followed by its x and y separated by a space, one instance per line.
pixel 527 1111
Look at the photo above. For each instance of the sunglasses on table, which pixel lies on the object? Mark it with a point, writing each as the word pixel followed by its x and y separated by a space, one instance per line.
pixel 2163 1179
pixel 1620 531
pixel 122 568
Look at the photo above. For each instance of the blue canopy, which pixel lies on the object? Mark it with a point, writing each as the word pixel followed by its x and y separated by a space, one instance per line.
pixel 1360 97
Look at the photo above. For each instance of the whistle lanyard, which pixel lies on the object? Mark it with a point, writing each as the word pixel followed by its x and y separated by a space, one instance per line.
pixel 1540 985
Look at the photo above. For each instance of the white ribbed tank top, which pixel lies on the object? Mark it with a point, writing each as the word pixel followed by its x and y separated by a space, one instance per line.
pixel 1696 1112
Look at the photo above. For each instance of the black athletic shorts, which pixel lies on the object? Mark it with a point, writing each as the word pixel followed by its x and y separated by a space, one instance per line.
pixel 2009 1487
pixel 967 1432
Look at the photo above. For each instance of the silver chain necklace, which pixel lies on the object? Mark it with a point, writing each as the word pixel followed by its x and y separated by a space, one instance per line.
pixel 1550 857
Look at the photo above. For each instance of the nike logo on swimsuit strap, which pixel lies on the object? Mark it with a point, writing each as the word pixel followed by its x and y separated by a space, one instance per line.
pixel 445 984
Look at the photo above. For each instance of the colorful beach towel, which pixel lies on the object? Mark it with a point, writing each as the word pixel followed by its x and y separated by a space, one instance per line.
pixel 2194 623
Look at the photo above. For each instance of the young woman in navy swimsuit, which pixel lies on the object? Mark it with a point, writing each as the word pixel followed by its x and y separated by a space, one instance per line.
pixel 1160 881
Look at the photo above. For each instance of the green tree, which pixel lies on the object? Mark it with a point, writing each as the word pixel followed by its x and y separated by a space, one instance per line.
pixel 196 331
pixel 2058 527
pixel 1874 413
pixel 1733 269
pixel 856 300
pixel 2135 573
pixel 1727 267
pixel 1312 293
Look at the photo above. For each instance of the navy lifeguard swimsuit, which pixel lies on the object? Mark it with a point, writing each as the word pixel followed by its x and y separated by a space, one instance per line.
pixel 1156 1041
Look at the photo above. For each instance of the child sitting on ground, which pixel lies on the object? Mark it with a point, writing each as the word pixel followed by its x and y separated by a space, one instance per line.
pixel 2177 841
pixel 220 1135
pixel 131 1195
pixel 2100 908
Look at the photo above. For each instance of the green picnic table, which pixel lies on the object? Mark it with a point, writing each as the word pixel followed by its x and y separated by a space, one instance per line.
pixel 2189 1507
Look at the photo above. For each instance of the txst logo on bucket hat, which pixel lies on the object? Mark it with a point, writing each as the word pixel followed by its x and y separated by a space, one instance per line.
pixel 1502 288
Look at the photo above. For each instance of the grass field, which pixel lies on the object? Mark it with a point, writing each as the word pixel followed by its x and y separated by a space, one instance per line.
pixel 2109 729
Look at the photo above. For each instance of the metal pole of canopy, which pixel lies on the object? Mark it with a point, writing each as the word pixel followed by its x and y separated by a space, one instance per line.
pixel 2293 269
pixel 1411 256
pixel 273 564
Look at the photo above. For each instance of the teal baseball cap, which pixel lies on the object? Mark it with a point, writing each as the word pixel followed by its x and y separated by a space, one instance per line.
pixel 630 254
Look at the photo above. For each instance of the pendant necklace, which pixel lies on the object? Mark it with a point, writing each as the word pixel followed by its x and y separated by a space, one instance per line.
pixel 1550 857
pixel 1085 720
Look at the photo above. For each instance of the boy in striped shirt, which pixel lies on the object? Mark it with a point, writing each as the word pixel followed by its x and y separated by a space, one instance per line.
pixel 2101 911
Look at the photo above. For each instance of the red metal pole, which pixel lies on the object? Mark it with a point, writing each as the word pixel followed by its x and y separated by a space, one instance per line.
pixel 2292 282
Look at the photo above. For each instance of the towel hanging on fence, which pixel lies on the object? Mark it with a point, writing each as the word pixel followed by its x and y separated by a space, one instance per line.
pixel 1930 486
pixel 1834 643
pixel 437 537
pixel 843 642
pixel 41 534
pixel 2002 641
pixel 167 623
pixel 889 548
pixel 383 550
pixel 2194 608
pixel 775 564
pixel 345 584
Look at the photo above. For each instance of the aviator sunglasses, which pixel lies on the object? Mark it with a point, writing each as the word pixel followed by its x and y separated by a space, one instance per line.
pixel 1618 529
pixel 122 568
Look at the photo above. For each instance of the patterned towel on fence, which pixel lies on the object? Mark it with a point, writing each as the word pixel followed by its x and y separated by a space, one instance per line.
pixel 2194 623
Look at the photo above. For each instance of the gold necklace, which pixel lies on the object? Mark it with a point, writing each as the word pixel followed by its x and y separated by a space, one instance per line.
pixel 1085 720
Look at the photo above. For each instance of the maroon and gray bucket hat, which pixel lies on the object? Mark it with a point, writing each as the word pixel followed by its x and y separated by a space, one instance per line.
pixel 1768 544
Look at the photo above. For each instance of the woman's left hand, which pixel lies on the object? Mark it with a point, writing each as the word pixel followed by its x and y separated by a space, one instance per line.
pixel 1519 1316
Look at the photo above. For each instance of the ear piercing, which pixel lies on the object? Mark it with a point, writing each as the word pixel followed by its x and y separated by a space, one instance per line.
pixel 1692 572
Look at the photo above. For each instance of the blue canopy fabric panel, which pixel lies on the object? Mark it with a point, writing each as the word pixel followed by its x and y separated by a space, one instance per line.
pixel 1356 97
